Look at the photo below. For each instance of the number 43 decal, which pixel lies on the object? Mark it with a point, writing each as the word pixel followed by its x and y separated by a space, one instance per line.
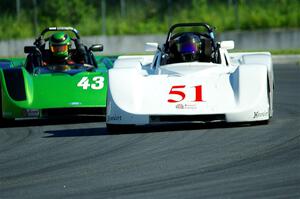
pixel 97 83
pixel 178 90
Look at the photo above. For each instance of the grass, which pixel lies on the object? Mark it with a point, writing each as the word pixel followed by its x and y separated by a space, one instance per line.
pixel 286 52
pixel 141 19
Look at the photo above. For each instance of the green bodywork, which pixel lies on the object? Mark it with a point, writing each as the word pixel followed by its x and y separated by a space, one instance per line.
pixel 52 89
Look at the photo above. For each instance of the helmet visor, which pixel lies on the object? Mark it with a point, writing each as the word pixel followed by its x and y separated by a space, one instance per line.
pixel 60 48
pixel 187 48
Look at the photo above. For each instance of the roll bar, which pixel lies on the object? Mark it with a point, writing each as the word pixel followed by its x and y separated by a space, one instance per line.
pixel 61 29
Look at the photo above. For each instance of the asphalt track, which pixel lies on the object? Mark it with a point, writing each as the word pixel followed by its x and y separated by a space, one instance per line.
pixel 77 158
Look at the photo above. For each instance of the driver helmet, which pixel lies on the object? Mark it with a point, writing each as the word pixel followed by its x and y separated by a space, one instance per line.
pixel 59 44
pixel 188 47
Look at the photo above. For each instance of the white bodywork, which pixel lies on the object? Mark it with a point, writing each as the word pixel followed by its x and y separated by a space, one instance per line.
pixel 239 89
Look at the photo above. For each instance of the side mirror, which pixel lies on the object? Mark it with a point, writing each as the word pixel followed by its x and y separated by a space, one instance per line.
pixel 150 47
pixel 227 45
pixel 96 47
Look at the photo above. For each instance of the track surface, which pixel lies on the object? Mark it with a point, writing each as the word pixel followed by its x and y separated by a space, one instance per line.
pixel 79 159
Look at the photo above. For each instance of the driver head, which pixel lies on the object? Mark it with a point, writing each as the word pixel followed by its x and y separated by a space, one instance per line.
pixel 59 44
pixel 188 47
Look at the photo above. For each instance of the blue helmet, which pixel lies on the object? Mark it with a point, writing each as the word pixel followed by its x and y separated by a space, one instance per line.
pixel 188 47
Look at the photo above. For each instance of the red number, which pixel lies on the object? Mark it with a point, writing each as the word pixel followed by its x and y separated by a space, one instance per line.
pixel 198 93
pixel 176 92
pixel 173 91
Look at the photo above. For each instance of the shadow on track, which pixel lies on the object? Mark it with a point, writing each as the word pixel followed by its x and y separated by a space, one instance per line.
pixel 183 127
pixel 102 131
pixel 76 132
pixel 50 121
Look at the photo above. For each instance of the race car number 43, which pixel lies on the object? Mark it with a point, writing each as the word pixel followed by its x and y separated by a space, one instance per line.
pixel 180 92
pixel 96 83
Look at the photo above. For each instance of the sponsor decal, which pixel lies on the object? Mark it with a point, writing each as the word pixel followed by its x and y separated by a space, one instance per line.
pixel 260 114
pixel 114 118
pixel 32 112
pixel 186 106
pixel 7 113
pixel 179 106
pixel 75 103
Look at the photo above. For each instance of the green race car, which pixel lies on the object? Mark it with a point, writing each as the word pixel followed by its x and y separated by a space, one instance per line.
pixel 41 88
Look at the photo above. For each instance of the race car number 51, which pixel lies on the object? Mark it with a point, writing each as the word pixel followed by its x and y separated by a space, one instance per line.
pixel 179 91
pixel 97 83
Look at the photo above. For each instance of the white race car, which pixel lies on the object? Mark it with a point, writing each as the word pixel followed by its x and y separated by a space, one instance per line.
pixel 191 78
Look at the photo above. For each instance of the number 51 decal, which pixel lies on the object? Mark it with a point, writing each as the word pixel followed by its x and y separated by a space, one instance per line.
pixel 97 83
pixel 179 91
